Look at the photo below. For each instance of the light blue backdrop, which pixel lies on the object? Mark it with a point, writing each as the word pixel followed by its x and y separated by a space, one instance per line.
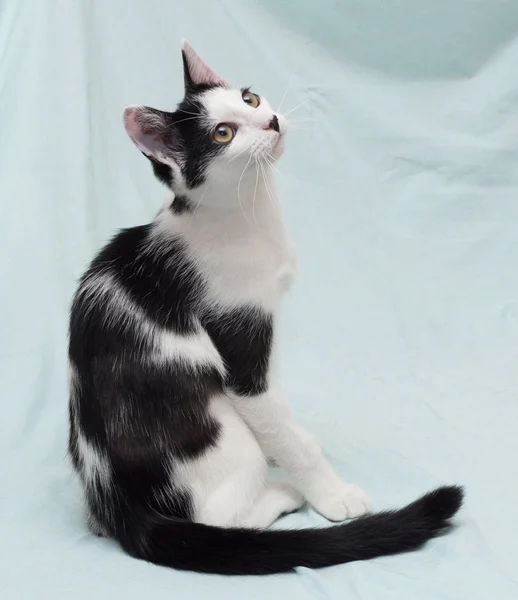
pixel 399 340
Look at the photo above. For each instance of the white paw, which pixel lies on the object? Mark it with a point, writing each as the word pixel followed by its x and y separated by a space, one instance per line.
pixel 346 502
pixel 292 500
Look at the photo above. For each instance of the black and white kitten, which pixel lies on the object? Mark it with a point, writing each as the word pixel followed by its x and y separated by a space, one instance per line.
pixel 174 404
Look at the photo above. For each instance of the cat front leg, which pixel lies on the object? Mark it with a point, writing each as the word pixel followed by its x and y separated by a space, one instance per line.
pixel 298 452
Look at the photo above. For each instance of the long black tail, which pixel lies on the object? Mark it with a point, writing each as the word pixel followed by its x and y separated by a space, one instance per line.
pixel 191 546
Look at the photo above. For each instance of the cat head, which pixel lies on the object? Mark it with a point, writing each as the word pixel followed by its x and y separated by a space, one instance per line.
pixel 216 133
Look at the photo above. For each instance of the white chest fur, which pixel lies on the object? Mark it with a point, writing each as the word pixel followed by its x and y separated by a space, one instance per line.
pixel 248 268
pixel 244 253
pixel 244 262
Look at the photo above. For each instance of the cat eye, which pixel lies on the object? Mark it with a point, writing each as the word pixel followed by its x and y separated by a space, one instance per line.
pixel 251 99
pixel 223 134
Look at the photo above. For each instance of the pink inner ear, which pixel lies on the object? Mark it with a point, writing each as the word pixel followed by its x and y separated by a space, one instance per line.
pixel 130 121
pixel 199 72
pixel 143 129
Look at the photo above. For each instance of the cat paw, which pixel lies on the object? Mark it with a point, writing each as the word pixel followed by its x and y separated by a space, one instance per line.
pixel 347 502
pixel 292 500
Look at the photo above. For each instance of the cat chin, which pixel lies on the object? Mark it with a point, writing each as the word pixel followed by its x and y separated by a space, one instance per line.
pixel 278 149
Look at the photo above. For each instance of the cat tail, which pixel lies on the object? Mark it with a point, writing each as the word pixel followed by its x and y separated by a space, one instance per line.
pixel 191 546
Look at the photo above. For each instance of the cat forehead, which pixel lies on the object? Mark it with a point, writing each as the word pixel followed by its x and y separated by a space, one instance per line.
pixel 223 104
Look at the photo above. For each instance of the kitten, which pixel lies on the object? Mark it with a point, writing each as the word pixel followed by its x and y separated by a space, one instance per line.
pixel 174 404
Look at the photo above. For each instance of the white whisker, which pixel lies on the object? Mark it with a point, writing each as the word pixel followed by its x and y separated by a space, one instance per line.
pixel 236 156
pixel 301 127
pixel 189 119
pixel 301 119
pixel 197 205
pixel 188 113
pixel 239 190
pixel 298 106
pixel 255 193
pixel 269 159
pixel 268 189
pixel 285 92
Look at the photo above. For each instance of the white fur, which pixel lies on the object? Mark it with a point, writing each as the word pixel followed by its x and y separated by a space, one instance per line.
pixel 276 499
pixel 237 239
pixel 196 349
pixel 299 453
pixel 236 235
pixel 226 481
pixel 243 261
pixel 253 136
pixel 94 464
pixel 72 387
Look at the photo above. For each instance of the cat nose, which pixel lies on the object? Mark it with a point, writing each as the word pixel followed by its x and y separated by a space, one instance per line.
pixel 274 123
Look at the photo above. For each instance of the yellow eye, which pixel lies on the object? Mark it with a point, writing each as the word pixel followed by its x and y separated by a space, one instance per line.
pixel 223 134
pixel 251 99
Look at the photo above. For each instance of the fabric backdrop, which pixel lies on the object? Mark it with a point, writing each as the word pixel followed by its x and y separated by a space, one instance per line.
pixel 399 340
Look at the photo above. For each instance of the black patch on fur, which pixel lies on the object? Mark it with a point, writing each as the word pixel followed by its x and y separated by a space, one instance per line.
pixel 181 205
pixel 139 414
pixel 142 415
pixel 184 135
pixel 162 172
pixel 196 139
pixel 186 138
pixel 163 281
pixel 161 406
pixel 184 545
pixel 244 338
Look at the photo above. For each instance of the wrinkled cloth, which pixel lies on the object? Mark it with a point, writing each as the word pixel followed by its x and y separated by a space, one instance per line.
pixel 399 340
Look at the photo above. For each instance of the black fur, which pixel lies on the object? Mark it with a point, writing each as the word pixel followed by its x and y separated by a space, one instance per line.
pixel 162 171
pixel 185 138
pixel 184 135
pixel 163 412
pixel 199 146
pixel 135 412
pixel 138 417
pixel 247 351
pixel 182 545
pixel 165 284
pixel 181 205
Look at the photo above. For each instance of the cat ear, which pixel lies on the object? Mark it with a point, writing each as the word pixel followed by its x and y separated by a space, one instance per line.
pixel 196 72
pixel 150 130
